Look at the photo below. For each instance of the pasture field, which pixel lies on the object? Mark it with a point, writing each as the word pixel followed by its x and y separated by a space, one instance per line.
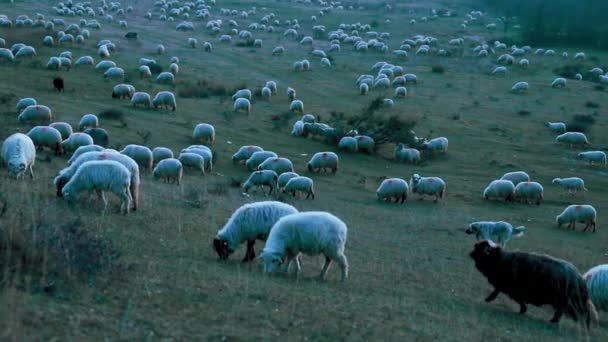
pixel 410 274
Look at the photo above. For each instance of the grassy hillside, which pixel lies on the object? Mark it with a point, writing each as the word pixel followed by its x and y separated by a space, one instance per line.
pixel 411 277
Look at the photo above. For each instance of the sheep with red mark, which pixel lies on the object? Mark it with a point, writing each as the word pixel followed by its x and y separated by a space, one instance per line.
pixel 323 161
pixel 582 213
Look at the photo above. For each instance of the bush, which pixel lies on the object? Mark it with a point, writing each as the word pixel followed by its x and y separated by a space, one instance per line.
pixel 580 123
pixel 111 114
pixel 523 112
pixel 374 23
pixel 437 69
pixel 200 89
pixel 591 104
pixel 155 68
pixel 570 70
pixel 281 120
pixel 247 43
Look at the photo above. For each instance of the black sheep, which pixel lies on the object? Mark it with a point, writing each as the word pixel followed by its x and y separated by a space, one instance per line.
pixel 58 84
pixel 535 279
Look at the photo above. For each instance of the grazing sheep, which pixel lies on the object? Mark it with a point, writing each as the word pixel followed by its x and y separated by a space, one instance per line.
pixel 298 128
pixel 144 71
pixel 141 154
pixel 284 178
pixel 64 128
pixel 594 157
pixel 46 136
pixel 291 94
pixel 401 92
pixel 100 136
pixel 500 189
pixel 276 164
pixel 535 279
pixel 572 184
pixel 302 184
pixel 165 78
pixel 19 155
pixel 6 54
pixel 582 213
pixel 161 153
pixel 202 151
pixel 24 103
pixel 242 104
pixel 205 133
pixel 311 233
pixel 597 284
pixel 245 153
pixel 104 65
pixel 296 106
pixel 323 161
pixel 437 145
pixel 348 144
pixel 559 82
pixel 171 170
pixel 249 223
pixel 82 150
pixel 257 158
pixel 123 91
pixel 432 186
pixel 160 49
pixel 36 113
pixel 579 56
pixel 261 178
pixel 54 63
pixel 365 143
pixel 503 231
pixel 529 191
pixel 573 138
pixel 114 72
pixel 101 175
pixel 266 93
pixel 165 99
pixel 88 121
pixel 193 160
pixel 520 87
pixel 391 188
pixel 363 89
pixel 516 177
pixel 242 94
pixel 76 140
pixel 207 47
pixel 406 155
pixel 501 70
pixel 141 99
pixel 557 127
pixel 192 42
pixel 278 51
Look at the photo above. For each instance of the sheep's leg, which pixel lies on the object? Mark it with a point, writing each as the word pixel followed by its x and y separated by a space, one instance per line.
pixel 587 224
pixel 290 258
pixel 31 168
pixel 103 198
pixel 493 295
pixel 250 254
pixel 436 198
pixel 325 267
pixel 557 316
pixel 522 308
pixel 341 260
pixel 403 197
pixel 593 225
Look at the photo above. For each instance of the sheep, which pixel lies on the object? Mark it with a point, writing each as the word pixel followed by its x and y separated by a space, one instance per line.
pixel 249 222
pixel 278 51
pixel 363 89
pixel 82 150
pixel 503 231
pixel 100 136
pixel 516 177
pixel 242 104
pixel 104 65
pixel 528 191
pixel 308 118
pixel 88 121
pixel 141 99
pixel 524 63
pixel 284 178
pixel 323 161
pixel 245 153
pixel 311 233
pixel 193 160
pixel 164 99
pixel 19 155
pixel 64 128
pixel 76 140
pixel 171 170
pixel 432 186
pixel 407 155
pixel 594 157
pixel 242 94
pixel 276 164
pixel 202 151
pixel 207 47
pixel 101 175
pixel 192 42
pixel 141 154
pixel 160 49
pixel 291 94
pixel 114 72
pixel 597 284
pixel 391 188
pixel 579 56
pixel 54 63
pixel 144 71
pixel 257 158
pixel 36 113
pixel 501 70
pixel 572 138
pixel 46 136
pixel 559 82
pixel 260 178
pixel 500 189
pixel 266 93
pixel 520 87
pixel 26 51
pixel 557 127
pixel 582 213
pixel 529 278
pixel 296 106
pixel 121 91
pixel 66 63
pixel 572 184
pixel 6 54
pixel 400 92
pixel 365 143
pixel 348 144
pixel 24 103
pixel 204 132
pixel 165 78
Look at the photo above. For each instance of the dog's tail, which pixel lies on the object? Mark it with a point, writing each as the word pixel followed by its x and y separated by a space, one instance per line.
pixel 518 231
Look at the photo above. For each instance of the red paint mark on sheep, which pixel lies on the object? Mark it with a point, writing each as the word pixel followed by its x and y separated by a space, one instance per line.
pixel 578 208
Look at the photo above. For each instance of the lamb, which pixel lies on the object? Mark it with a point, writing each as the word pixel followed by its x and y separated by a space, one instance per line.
pixel 582 213
pixel 257 158
pixel 407 155
pixel 529 278
pixel 296 106
pixel 365 143
pixel 121 91
pixel 101 175
pixel 36 113
pixel 391 188
pixel 19 155
pixel 64 128
pixel 88 121
pixel 302 184
pixel 141 99
pixel 516 177
pixel 260 178
pixel 161 153
pixel 500 189
pixel 278 165
pixel 520 87
pixel 46 136
pixel 82 150
pixel 432 186
pixel 249 223
pixel 76 140
pixel 193 160
pixel 572 184
pixel 529 191
pixel 100 136
pixel 245 153
pixel 141 154
pixel 557 127
pixel 205 133
pixel 24 103
pixel 164 99
pixel 594 157
pixel 597 284
pixel 572 138
pixel 242 104
pixel 311 233
pixel 284 178
pixel 171 170
pixel 323 161
pixel 348 144
pixel 503 231
pixel 559 82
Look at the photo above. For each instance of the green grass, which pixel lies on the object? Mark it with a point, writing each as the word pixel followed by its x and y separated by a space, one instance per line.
pixel 411 277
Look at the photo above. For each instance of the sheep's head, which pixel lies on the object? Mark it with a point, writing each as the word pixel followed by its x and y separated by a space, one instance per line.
pixel 221 248
pixel 559 221
pixel 473 229
pixel 60 182
pixel 483 250
pixel 309 167
pixel 16 169
pixel 416 178
pixel 556 180
pixel 270 261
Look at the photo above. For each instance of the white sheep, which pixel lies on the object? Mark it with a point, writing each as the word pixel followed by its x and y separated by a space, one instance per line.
pixel 363 89
pixel 298 128
pixel 266 93
pixel 323 161
pixel 407 155
pixel 160 49
pixel 250 222
pixel 141 154
pixel 311 233
pixel 516 177
pixel 432 186
pixel 164 99
pixel 296 106
pixel 501 70
pixel 6 54
pixel 594 157
pixel 365 143
pixel 579 56
pixel 36 113
pixel 101 175
pixel 19 155
pixel 302 184
pixel 76 140
pixel 104 65
pixel 572 138
pixel 192 42
pixel 193 160
pixel 272 85
pixel 572 184
pixel 165 78
pixel 574 213
pixel 122 91
pixel 261 178
pixel 348 144
pixel 391 188
pixel 141 99
pixel 64 128
pixel 559 82
pixel 171 170
pixel 291 94
pixel 245 152
pixel 54 63
pixel 278 165
pixel 557 127
pixel 500 189
pixel 88 121
pixel 284 178
pixel 46 136
pixel 242 104
pixel 144 71
pixel 529 192
pixel 202 151
pixel 400 92
pixel 503 231
pixel 278 51
pixel 242 94
pixel 524 63
pixel 114 72
pixel 82 150
pixel 258 158
pixel 520 87
pixel 597 284
pixel 204 132
pixel 437 145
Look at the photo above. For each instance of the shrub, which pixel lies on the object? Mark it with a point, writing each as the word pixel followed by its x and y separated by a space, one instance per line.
pixel 111 114
pixel 599 87
pixel 374 23
pixel 201 89
pixel 570 70
pixel 591 104
pixel 281 120
pixel 247 43
pixel 437 69
pixel 523 112
pixel 580 123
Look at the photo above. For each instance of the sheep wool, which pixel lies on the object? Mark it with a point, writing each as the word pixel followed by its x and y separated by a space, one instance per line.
pixel 245 153
pixel 300 184
pixel 390 188
pixel 323 161
pixel 258 179
pixel 46 136
pixel 141 154
pixel 19 155
pixel 170 170
pixel 516 177
pixel 278 165
pixel 574 213
pixel 597 284
pixel 432 186
pixel 205 133
pixel 500 189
